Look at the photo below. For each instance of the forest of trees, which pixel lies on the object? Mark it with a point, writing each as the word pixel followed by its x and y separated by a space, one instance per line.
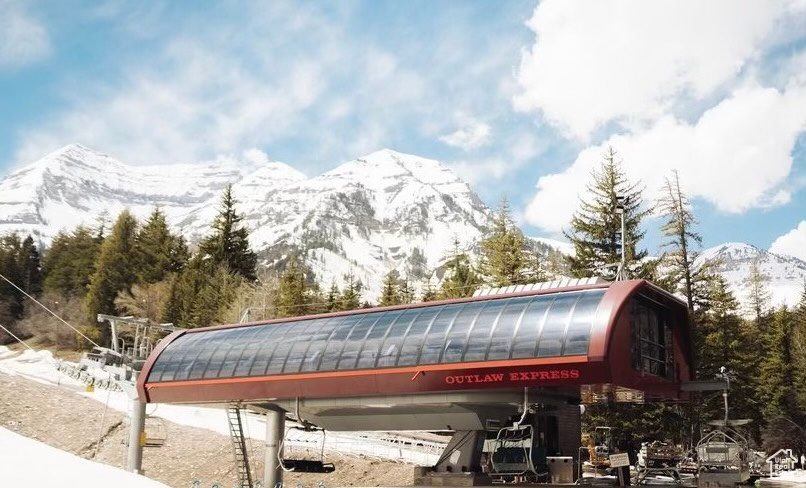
pixel 146 270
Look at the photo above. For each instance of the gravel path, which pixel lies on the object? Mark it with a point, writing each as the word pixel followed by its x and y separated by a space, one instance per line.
pixel 64 419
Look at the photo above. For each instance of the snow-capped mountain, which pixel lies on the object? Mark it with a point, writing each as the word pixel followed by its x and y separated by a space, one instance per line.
pixel 385 211
pixel 785 275
pixel 75 185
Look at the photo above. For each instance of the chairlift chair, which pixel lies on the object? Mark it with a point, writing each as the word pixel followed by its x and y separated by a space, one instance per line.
pixel 309 465
pixel 512 454
pixel 155 432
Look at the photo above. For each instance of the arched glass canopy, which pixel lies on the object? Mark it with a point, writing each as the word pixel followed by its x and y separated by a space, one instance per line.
pixel 537 326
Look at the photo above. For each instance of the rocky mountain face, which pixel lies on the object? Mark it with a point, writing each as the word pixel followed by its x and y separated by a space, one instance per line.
pixel 385 211
pixel 785 276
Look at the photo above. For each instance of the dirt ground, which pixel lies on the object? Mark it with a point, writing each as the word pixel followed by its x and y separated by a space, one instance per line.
pixel 64 419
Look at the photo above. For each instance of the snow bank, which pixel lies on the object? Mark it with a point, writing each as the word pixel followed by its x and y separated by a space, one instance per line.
pixel 5 352
pixel 21 455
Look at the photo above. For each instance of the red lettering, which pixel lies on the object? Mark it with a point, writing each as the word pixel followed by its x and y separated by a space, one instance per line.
pixel 513 376
pixel 498 377
pixel 460 379
pixel 469 378
pixel 523 376
pixel 555 375
pixel 450 380
pixel 544 375
pixel 574 373
pixel 564 374
pixel 534 375
pixel 478 379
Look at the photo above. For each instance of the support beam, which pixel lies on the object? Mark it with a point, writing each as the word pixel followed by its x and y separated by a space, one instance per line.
pixel 137 435
pixel 275 432
pixel 463 453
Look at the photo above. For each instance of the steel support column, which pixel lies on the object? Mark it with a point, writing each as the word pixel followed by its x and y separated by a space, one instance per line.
pixel 137 427
pixel 275 431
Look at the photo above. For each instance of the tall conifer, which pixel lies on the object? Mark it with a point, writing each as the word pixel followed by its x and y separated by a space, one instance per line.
pixel 596 228
pixel 229 242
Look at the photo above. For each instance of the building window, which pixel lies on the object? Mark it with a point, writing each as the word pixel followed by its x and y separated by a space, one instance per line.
pixel 651 339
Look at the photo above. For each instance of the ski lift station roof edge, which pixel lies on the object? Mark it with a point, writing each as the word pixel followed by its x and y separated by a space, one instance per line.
pixel 624 340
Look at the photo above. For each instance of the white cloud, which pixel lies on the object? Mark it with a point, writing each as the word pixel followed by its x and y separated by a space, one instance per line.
pixel 631 62
pixel 475 172
pixel 23 39
pixel 793 243
pixel 737 156
pixel 471 135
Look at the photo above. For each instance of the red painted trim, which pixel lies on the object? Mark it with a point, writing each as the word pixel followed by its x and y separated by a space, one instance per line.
pixel 378 372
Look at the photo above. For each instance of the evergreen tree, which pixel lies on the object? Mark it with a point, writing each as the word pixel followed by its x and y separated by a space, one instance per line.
pixel 726 341
pixel 351 295
pixel 390 293
pixel 596 228
pixel 799 352
pixel 114 272
pixel 11 300
pixel 229 242
pixel 158 251
pixel 406 291
pixel 292 290
pixel 30 267
pixel 460 278
pixel 678 228
pixel 429 294
pixel 332 301
pixel 70 262
pixel 759 294
pixel 777 382
pixel 504 259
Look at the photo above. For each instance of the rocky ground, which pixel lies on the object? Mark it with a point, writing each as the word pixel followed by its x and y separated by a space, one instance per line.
pixel 62 418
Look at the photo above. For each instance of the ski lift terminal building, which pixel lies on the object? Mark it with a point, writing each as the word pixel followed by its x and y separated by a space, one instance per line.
pixel 469 365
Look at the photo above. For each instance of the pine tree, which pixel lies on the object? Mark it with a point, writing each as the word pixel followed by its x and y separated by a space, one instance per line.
pixel 596 228
pixel 332 301
pixel 678 228
pixel 777 381
pixel 460 278
pixel 11 300
pixel 30 267
pixel 406 291
pixel 351 295
pixel 504 260
pixel 229 242
pixel 291 293
pixel 114 272
pixel 390 293
pixel 429 293
pixel 158 251
pixel 799 352
pixel 70 262
pixel 759 294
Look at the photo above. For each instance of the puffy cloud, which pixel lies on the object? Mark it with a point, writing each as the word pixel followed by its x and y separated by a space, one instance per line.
pixel 473 134
pixel 737 156
pixel 793 243
pixel 23 39
pixel 631 62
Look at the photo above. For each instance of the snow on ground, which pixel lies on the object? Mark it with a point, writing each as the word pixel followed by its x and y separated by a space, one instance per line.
pixel 17 455
pixel 41 366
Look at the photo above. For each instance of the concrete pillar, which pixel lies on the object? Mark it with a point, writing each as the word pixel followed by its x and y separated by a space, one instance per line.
pixel 137 436
pixel 275 431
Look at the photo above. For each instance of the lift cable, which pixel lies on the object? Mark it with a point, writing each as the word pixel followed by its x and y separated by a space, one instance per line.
pixel 50 311
pixel 15 337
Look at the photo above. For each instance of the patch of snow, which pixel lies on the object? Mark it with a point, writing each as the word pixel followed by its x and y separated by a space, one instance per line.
pixel 26 462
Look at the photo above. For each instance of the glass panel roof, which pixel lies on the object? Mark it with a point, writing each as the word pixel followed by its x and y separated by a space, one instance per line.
pixel 550 325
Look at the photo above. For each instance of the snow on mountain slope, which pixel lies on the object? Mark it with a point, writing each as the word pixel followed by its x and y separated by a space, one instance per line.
pixel 75 184
pixel 384 211
pixel 785 275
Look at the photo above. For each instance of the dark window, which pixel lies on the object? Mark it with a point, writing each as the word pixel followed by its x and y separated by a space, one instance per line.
pixel 651 339
pixel 318 342
pixel 305 332
pixel 413 342
pixel 392 343
pixel 330 358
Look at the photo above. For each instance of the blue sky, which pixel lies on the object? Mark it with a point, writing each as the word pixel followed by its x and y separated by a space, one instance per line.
pixel 520 98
